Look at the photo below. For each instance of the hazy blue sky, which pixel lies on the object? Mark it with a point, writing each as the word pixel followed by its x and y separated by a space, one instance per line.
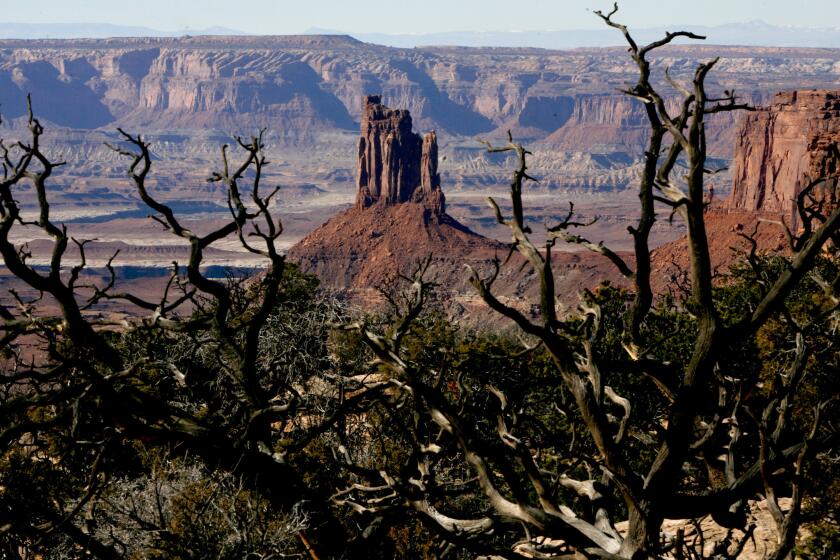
pixel 419 16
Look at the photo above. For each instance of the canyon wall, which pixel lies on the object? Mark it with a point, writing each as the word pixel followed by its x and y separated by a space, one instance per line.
pixel 188 95
pixel 303 86
pixel 782 148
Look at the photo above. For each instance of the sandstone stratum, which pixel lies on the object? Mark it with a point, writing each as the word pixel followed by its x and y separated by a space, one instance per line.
pixel 305 84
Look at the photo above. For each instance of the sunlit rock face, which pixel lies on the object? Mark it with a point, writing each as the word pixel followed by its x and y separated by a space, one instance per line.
pixel 782 148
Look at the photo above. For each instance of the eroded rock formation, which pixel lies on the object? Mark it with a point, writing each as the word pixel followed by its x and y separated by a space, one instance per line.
pixel 782 148
pixel 399 220
pixel 396 165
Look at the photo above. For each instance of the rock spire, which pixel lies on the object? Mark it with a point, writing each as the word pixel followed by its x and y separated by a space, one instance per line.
pixel 395 164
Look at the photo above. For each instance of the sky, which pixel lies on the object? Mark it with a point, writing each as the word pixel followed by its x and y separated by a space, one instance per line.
pixel 277 17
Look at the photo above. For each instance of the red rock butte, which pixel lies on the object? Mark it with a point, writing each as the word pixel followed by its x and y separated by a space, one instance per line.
pixel 399 217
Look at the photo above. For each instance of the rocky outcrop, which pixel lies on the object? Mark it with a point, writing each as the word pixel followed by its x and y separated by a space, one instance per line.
pixel 399 220
pixel 430 191
pixel 395 164
pixel 782 148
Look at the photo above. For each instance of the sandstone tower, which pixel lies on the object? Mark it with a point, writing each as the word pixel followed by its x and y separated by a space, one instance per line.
pixel 395 164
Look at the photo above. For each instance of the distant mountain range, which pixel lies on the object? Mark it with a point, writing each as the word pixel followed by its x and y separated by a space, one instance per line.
pixel 97 31
pixel 754 33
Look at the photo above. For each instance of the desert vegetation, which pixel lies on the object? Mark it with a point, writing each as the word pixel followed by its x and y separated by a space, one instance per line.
pixel 260 418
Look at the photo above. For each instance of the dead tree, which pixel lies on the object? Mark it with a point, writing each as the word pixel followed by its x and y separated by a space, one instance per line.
pixel 73 396
pixel 521 494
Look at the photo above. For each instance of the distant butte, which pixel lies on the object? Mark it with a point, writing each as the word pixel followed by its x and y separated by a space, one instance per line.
pixel 400 218
pixel 400 213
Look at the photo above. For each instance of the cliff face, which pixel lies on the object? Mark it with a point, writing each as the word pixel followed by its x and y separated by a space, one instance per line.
pixel 395 164
pixel 780 149
pixel 304 85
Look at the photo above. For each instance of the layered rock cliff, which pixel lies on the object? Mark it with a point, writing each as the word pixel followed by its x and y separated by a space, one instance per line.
pixel 396 165
pixel 782 148
pixel 300 86
pixel 187 95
